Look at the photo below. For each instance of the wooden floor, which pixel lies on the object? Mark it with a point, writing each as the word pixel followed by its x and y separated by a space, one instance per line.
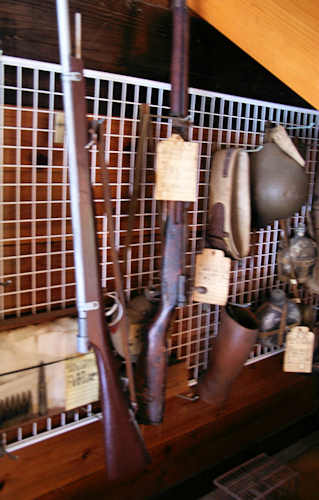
pixel 307 465
pixel 303 457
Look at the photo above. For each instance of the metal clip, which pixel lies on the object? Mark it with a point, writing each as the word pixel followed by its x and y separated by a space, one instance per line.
pixel 89 306
pixel 74 76
pixel 254 150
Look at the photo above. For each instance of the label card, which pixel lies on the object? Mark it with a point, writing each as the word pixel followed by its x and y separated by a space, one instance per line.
pixel 212 273
pixel 81 381
pixel 299 350
pixel 176 169
pixel 59 127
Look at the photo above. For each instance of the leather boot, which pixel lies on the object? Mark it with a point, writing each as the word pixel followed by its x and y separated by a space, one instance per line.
pixel 231 348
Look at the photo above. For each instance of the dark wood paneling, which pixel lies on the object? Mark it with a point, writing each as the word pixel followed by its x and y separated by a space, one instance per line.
pixel 134 38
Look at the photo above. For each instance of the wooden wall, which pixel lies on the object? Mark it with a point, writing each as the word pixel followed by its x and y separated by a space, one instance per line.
pixel 132 37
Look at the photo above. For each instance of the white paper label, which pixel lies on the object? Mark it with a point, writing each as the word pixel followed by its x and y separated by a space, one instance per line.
pixel 299 350
pixel 81 381
pixel 59 127
pixel 212 274
pixel 176 168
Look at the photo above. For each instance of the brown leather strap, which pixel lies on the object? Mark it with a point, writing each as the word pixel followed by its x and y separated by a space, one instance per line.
pixel 215 233
pixel 116 266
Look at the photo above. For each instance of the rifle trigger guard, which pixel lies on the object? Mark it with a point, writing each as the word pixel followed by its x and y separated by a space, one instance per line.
pixel 74 76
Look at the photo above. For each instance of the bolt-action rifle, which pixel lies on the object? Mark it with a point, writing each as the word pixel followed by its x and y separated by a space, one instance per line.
pixel 125 453
pixel 152 364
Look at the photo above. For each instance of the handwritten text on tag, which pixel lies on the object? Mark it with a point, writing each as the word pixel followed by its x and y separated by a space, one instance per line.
pixel 176 168
pixel 81 381
pixel 212 277
pixel 299 350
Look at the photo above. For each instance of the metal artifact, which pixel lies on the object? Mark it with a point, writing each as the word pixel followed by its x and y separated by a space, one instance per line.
pixel 15 408
pixel 139 309
pixel 275 315
pixel 278 185
pixel 297 259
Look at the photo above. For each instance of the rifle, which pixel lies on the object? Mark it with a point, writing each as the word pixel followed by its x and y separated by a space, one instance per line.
pixel 125 453
pixel 151 366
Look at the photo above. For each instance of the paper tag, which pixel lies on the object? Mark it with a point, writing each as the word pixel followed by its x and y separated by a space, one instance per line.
pixel 81 381
pixel 176 169
pixel 212 275
pixel 299 350
pixel 59 127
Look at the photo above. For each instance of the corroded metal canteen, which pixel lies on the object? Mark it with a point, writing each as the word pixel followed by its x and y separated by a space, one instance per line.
pixel 278 185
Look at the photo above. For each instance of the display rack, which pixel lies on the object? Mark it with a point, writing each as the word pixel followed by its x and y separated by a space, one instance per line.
pixel 36 252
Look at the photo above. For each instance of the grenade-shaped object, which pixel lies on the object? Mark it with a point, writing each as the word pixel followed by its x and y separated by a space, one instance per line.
pixel 270 313
pixel 298 258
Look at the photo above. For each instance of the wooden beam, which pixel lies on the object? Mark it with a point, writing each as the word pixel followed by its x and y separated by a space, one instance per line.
pixel 282 35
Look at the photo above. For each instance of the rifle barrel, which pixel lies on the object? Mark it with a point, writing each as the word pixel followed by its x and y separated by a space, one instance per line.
pixel 125 453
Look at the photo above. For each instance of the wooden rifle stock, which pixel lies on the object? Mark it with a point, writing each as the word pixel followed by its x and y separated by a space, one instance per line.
pixel 125 453
pixel 151 367
pixel 152 363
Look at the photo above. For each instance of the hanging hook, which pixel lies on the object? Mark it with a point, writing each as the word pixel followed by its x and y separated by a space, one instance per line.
pixel 259 148
pixel 300 127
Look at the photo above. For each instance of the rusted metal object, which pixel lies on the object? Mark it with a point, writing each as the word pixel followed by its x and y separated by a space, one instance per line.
pixel 275 315
pixel 152 364
pixel 298 258
pixel 278 185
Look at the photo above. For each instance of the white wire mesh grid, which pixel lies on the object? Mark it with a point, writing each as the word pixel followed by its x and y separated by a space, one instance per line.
pixel 35 230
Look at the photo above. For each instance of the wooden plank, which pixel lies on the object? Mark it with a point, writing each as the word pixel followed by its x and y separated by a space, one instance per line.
pixel 281 35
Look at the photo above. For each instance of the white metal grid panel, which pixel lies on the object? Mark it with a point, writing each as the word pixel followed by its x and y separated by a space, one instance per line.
pixel 35 230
